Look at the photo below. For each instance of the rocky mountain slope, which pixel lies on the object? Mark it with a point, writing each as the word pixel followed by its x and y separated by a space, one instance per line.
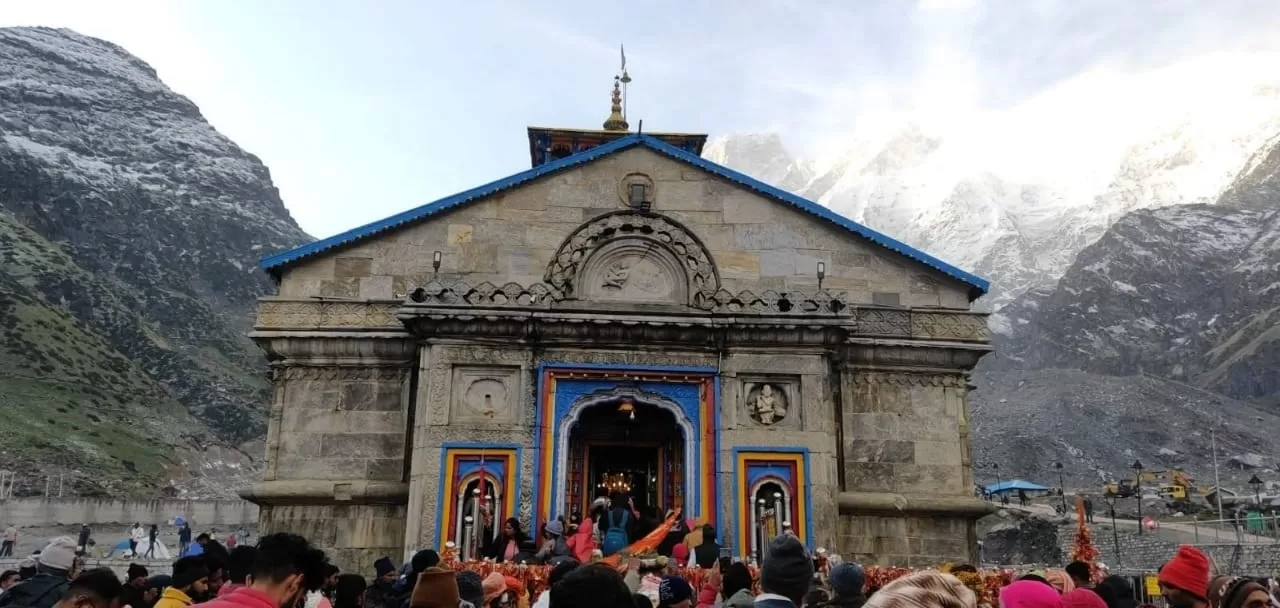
pixel 1135 263
pixel 1169 325
pixel 129 234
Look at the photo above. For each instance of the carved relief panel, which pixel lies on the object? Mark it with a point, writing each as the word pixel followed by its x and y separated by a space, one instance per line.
pixel 770 401
pixel 485 394
pixel 634 270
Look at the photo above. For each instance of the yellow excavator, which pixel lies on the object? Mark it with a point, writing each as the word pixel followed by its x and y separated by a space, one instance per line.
pixel 1174 485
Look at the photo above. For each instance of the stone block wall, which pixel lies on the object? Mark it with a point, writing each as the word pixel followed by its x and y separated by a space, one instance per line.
pixel 905 541
pixel 353 535
pixel 757 243
pixel 1146 553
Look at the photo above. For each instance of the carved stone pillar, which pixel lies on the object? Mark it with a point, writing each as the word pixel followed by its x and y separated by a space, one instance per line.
pixel 907 497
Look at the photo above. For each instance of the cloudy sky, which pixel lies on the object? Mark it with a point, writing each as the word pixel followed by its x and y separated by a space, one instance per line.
pixel 365 108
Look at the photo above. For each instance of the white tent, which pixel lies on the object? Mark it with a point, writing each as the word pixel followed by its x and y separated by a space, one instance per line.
pixel 161 552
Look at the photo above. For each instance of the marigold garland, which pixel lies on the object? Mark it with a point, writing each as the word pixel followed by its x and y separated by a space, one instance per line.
pixel 1084 550
pixel 985 584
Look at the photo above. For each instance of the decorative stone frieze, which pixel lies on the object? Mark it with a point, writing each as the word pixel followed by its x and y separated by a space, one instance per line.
pixel 281 314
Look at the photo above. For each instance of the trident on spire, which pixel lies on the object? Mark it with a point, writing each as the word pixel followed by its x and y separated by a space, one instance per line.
pixel 617 120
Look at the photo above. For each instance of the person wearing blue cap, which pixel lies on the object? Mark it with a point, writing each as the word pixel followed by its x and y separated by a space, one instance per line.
pixel 847 581
pixel 674 592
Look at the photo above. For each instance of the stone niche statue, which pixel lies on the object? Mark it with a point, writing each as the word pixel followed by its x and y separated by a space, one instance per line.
pixel 767 403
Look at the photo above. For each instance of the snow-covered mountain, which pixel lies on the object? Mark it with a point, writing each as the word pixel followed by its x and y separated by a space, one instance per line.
pixel 129 233
pixel 1015 195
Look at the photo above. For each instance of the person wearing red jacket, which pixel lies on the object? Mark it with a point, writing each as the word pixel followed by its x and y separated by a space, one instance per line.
pixel 284 570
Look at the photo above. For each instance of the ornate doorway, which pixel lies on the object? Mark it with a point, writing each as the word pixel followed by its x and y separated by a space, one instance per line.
pixel 629 447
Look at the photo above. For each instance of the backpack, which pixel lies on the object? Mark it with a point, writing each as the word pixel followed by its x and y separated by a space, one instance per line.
pixel 615 539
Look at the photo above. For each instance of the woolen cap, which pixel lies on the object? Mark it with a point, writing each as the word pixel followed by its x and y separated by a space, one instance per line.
pixel 436 588
pixel 847 580
pixel 1188 571
pixel 59 554
pixel 787 568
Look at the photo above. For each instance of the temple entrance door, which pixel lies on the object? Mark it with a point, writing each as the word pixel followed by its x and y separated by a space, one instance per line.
pixel 626 447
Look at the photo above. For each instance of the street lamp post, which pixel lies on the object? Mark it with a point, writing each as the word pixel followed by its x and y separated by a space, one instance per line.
pixel 1256 484
pixel 1115 537
pixel 1062 488
pixel 1137 488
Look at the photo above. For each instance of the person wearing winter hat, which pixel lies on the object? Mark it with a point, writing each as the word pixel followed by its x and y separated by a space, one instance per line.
pixel 847 581
pixel 470 587
pixel 135 587
pixel 190 580
pixel 555 548
pixel 674 592
pixel 1184 580
pixel 1060 579
pixel 928 589
pixel 52 577
pixel 1029 594
pixel 436 588
pixel 1082 598
pixel 1238 592
pixel 786 573
pixel 375 595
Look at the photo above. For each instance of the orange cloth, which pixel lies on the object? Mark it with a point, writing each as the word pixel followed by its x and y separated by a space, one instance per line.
pixel 648 543
pixel 583 542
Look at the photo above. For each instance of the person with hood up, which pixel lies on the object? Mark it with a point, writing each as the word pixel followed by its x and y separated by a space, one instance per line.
pixel 929 589
pixel 848 582
pixel 190 580
pixel 1239 592
pixel 1060 580
pixel 785 575
pixel 1026 593
pixel 1184 580
pixel 53 571
pixel 733 588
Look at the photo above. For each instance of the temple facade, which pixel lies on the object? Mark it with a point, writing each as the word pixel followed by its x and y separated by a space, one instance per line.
pixel 624 316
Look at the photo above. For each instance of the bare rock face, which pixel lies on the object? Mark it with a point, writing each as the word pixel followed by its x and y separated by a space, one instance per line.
pixel 129 235
pixel 1166 328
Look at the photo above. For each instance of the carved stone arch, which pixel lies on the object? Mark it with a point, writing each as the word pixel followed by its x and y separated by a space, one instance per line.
pixel 622 231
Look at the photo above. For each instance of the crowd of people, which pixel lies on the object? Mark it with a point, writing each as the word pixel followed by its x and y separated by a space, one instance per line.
pixel 285 571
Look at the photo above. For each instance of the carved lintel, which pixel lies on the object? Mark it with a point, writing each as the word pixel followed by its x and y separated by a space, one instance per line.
pixel 906 378
pixel 279 313
pixel 381 374
pixel 327 492
pixel 887 503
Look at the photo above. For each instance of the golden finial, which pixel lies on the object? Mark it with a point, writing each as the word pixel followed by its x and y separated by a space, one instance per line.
pixel 616 122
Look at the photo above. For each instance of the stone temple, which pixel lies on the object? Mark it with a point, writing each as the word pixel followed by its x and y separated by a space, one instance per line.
pixel 623 316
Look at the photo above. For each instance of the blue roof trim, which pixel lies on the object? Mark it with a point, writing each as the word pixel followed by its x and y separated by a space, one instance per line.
pixel 273 263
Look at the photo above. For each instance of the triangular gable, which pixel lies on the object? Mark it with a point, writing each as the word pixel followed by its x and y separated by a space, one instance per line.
pixel 273 264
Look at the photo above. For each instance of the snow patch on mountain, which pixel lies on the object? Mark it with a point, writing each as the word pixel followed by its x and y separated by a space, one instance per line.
pixel 1015 195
